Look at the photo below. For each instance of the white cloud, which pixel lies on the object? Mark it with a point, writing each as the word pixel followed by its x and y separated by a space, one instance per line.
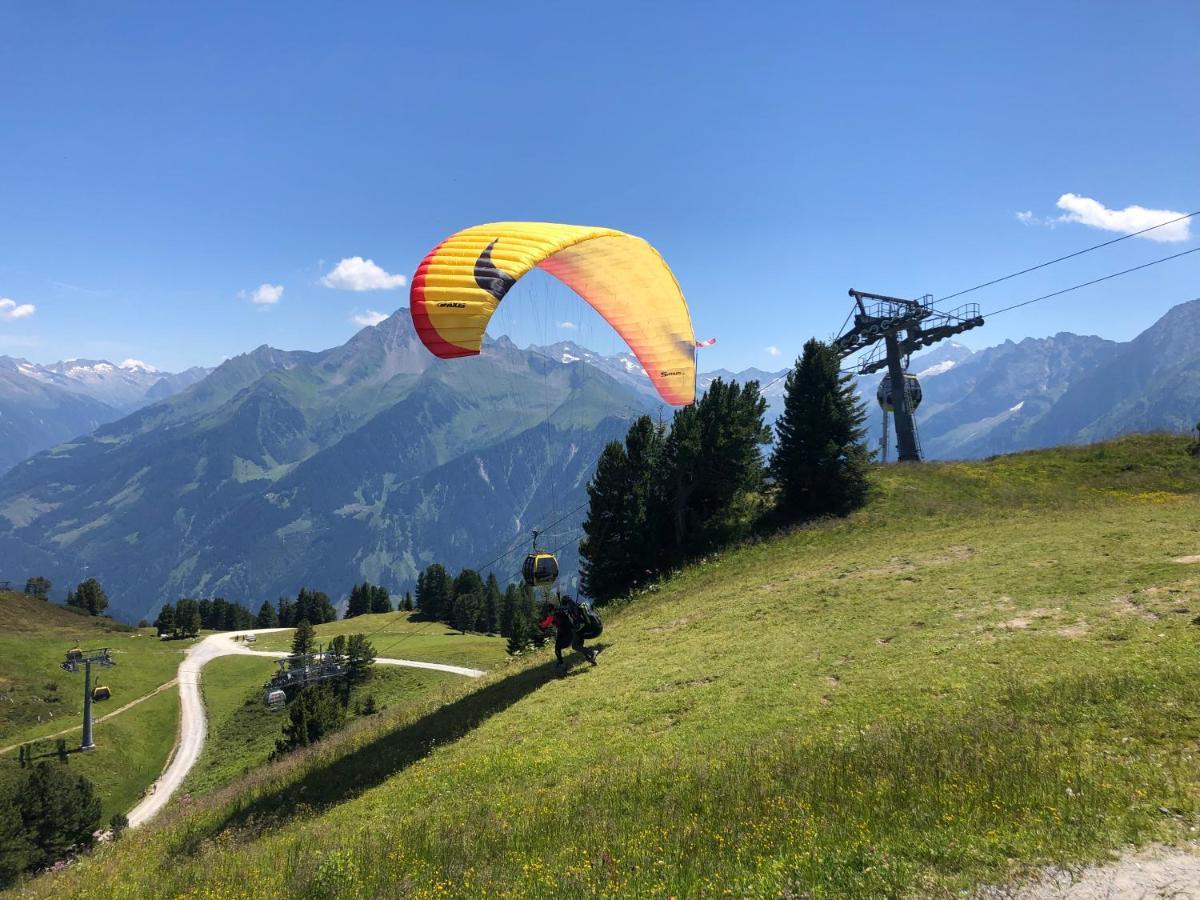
pixel 357 274
pixel 370 317
pixel 266 294
pixel 773 350
pixel 1095 214
pixel 10 309
pixel 567 325
pixel 1086 211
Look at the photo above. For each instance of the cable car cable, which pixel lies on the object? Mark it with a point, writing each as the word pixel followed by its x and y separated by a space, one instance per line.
pixel 1051 262
pixel 1076 287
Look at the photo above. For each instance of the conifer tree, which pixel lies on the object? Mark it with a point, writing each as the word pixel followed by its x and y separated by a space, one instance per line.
pixel 266 616
pixel 303 639
pixel 287 613
pixel 435 593
pixel 407 604
pixel 508 609
pixel 337 648
pixel 492 600
pixel 381 600
pixel 713 467
pixel 360 600
pixel 360 655
pixel 314 713
pixel 621 545
pixel 89 596
pixel 820 460
pixel 165 623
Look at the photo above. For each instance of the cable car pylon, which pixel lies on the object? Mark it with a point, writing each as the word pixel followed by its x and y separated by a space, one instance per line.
pixel 896 328
pixel 88 658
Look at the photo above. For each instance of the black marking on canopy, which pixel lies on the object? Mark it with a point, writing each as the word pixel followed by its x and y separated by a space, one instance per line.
pixel 490 278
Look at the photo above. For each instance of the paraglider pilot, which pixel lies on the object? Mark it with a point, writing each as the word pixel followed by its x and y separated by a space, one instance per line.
pixel 568 634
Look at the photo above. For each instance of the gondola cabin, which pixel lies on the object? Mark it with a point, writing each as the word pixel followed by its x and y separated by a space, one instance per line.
pixel 101 692
pixel 276 699
pixel 912 387
pixel 540 569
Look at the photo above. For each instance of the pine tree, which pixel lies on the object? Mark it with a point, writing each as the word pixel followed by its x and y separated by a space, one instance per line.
pixel 337 648
pixel 314 713
pixel 713 467
pixel 820 460
pixel 165 623
pixel 360 655
pixel 360 601
pixel 60 810
pixel 287 612
pixel 90 596
pixel 435 593
pixel 508 610
pixel 266 617
pixel 303 639
pixel 621 546
pixel 492 600
pixel 520 634
pixel 407 604
pixel 381 600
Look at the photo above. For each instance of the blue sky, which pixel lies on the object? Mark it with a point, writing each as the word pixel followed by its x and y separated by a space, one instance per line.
pixel 161 162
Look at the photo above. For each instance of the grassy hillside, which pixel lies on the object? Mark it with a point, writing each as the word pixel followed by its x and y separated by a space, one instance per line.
pixel 40 700
pixel 400 635
pixel 993 665
pixel 242 730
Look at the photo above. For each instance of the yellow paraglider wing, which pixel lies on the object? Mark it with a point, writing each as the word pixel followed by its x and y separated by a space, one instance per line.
pixel 460 283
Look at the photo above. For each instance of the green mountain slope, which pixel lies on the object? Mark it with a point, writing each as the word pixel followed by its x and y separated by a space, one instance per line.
pixel 279 470
pixel 993 665
pixel 39 701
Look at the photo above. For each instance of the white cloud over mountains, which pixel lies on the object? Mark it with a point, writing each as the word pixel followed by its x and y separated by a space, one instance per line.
pixel 773 350
pixel 357 274
pixel 264 295
pixel 1086 211
pixel 10 309
pixel 370 317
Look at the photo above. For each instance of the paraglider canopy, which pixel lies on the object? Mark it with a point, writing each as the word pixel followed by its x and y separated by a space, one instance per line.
pixel 462 280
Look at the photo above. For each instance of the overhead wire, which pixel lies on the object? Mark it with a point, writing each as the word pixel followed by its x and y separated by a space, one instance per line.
pixel 1059 259
pixel 1084 284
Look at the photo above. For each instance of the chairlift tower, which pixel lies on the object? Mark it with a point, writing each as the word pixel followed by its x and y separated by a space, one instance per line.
pixel 87 658
pixel 896 328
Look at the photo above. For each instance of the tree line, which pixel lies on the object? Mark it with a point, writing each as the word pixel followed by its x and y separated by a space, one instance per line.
pixel 468 602
pixel 671 493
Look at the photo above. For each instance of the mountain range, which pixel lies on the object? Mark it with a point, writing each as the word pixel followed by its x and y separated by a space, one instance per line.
pixel 281 468
pixel 41 406
pixel 289 468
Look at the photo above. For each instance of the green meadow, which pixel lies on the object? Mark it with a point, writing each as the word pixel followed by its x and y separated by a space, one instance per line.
pixel 991 667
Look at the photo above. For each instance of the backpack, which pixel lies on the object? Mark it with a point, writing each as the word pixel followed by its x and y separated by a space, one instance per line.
pixel 584 619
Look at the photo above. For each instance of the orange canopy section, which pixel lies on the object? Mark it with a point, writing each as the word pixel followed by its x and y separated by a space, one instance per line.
pixel 460 283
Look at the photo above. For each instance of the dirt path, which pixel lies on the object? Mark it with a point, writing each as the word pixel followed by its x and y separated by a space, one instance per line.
pixel 1155 872
pixel 193 725
pixel 95 721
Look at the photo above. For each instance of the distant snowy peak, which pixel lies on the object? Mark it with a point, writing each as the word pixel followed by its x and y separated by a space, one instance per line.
pixel 125 387
pixel 939 360
pixel 937 368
